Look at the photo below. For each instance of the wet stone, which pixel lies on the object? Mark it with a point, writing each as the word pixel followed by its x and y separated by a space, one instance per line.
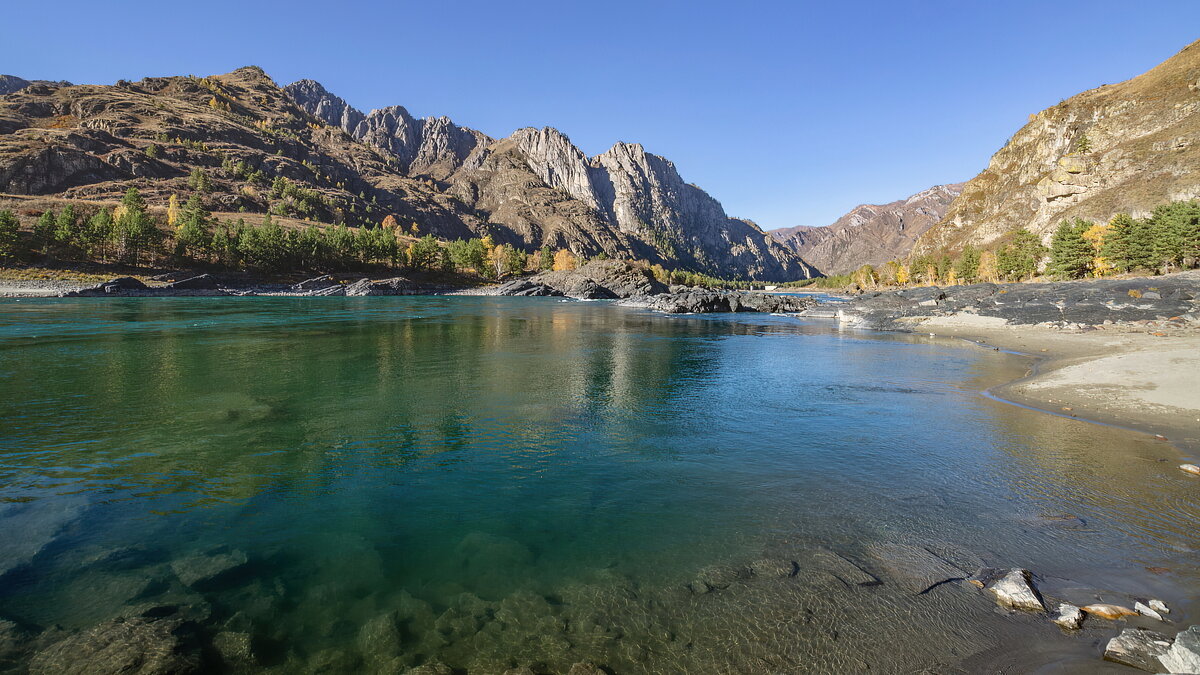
pixel 914 568
pixel 773 568
pixel 1107 611
pixel 1138 648
pixel 1145 610
pixel 120 646
pixel 206 568
pixel 13 640
pixel 1184 654
pixel 1069 616
pixel 236 649
pixel 1015 590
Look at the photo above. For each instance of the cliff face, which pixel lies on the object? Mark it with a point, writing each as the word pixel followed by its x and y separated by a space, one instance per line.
pixel 870 234
pixel 541 189
pixel 1122 147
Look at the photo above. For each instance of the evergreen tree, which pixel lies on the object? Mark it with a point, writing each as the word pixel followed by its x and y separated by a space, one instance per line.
pixel 194 235
pixel 1116 242
pixel 1070 252
pixel 512 260
pixel 967 267
pixel 424 253
pixel 9 227
pixel 200 181
pixel 546 259
pixel 97 234
pixel 43 231
pixel 135 228
pixel 1019 259
pixel 65 231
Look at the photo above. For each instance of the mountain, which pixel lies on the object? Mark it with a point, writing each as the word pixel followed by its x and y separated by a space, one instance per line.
pixel 537 185
pixel 11 83
pixel 870 234
pixel 1118 148
pixel 530 189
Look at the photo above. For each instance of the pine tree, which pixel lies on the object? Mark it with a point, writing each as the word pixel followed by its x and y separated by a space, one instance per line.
pixel 193 236
pixel 43 231
pixel 1116 242
pixel 1019 259
pixel 546 259
pixel 9 227
pixel 967 267
pixel 1070 253
pixel 135 228
pixel 65 230
pixel 200 181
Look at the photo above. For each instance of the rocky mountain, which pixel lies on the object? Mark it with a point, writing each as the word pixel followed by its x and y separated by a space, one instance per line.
pixel 11 83
pixel 870 234
pixel 533 188
pixel 537 185
pixel 1118 148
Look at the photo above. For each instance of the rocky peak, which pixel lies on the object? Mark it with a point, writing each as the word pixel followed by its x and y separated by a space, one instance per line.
pixel 555 160
pixel 11 83
pixel 1124 147
pixel 318 102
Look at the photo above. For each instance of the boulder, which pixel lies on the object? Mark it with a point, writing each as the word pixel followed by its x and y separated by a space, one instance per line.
pixel 1184 654
pixel 122 647
pixel 526 288
pixel 206 568
pixel 125 284
pixel 1069 616
pixel 316 283
pixel 1190 468
pixel 1015 590
pixel 203 282
pixel 359 288
pixel 1138 648
pixel 1159 606
pixel 1107 611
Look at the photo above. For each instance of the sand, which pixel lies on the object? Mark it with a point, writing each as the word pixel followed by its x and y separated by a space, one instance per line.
pixel 1139 377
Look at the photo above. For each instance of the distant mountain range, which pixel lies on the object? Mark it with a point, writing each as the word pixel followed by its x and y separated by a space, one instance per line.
pixel 870 234
pixel 533 188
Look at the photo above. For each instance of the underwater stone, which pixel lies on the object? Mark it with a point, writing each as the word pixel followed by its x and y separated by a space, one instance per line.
pixel 773 568
pixel 236 649
pixel 205 568
pixel 121 646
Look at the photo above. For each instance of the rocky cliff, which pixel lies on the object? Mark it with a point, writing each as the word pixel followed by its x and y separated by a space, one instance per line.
pixel 1121 147
pixel 870 234
pixel 11 83
pixel 545 191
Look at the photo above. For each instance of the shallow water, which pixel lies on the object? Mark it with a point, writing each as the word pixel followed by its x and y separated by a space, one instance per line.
pixel 526 481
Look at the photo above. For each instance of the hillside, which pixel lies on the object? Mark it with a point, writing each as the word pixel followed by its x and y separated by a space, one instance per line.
pixel 1118 148
pixel 870 234
pixel 93 142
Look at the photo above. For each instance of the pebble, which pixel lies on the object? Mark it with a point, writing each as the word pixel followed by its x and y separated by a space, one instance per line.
pixel 1146 611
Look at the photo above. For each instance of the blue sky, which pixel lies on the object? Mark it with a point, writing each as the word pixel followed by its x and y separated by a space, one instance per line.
pixel 790 113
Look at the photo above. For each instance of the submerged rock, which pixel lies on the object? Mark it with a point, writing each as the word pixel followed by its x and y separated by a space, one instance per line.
pixel 1138 648
pixel 123 647
pixel 1184 654
pixel 914 568
pixel 586 668
pixel 1069 616
pixel 432 668
pixel 205 568
pixel 236 649
pixel 13 642
pixel 1107 611
pixel 31 526
pixel 773 568
pixel 837 565
pixel 715 578
pixel 1016 591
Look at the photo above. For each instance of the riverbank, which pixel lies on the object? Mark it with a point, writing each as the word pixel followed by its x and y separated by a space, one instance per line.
pixel 1138 377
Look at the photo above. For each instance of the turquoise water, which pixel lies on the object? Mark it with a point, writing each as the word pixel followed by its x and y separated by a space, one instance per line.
pixel 535 482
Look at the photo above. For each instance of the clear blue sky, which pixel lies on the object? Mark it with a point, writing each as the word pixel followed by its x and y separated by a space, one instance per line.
pixel 790 113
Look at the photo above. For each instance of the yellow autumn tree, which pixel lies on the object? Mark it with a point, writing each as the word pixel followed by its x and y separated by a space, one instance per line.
pixel 1095 236
pixel 172 210
pixel 390 223
pixel 565 260
pixel 865 277
pixel 988 270
pixel 902 274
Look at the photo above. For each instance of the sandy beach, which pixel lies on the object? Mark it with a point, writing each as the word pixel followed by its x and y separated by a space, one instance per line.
pixel 1140 377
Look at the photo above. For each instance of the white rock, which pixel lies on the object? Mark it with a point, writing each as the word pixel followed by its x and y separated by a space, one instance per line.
pixel 1190 468
pixel 1184 655
pixel 1015 590
pixel 1159 606
pixel 1146 611
pixel 1138 648
pixel 1069 616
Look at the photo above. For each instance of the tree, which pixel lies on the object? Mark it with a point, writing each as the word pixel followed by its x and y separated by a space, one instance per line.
pixel 1116 243
pixel 424 253
pixel 1095 237
pixel 135 228
pixel 65 231
pixel 513 260
pixel 152 151
pixel 565 260
pixel 967 267
pixel 200 181
pixel 43 231
pixel 988 268
pixel 1019 258
pixel 9 226
pixel 546 259
pixel 1083 144
pixel 1070 253
pixel 172 210
pixel 902 274
pixel 193 238
pixel 97 234
pixel 865 277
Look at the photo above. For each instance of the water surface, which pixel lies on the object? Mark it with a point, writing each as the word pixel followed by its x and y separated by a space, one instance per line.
pixel 527 481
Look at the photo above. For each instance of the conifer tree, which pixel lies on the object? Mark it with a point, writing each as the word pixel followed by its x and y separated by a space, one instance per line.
pixel 1070 253
pixel 967 267
pixel 9 227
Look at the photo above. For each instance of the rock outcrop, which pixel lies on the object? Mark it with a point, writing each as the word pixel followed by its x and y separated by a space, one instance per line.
pixel 870 234
pixel 1118 148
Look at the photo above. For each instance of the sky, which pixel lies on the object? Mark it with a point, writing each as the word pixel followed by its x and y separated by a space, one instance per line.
pixel 789 113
